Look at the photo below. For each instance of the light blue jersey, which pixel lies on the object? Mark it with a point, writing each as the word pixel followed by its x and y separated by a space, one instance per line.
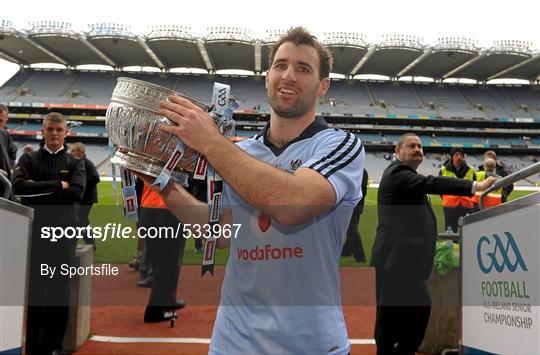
pixel 281 292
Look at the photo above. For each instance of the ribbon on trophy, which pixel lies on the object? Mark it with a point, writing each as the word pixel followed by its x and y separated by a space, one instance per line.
pixel 163 179
pixel 226 114
pixel 129 194
pixel 214 191
pixel 222 107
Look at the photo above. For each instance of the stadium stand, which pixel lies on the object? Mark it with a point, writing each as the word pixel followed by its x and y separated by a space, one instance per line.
pixel 522 96
pixel 27 126
pixel 92 88
pixel 399 98
pixel 370 137
pixel 503 117
pixel 46 86
pixel 461 140
pixel 352 97
pixel 16 82
pixel 89 129
pixel 447 101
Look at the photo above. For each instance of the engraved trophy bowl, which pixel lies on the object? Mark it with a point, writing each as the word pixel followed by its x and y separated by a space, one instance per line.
pixel 132 122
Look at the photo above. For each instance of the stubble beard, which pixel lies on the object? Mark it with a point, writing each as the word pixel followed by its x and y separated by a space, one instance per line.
pixel 301 107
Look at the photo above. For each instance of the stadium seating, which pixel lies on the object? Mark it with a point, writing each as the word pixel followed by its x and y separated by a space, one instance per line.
pixel 93 88
pixel 525 96
pixel 27 126
pixel 480 97
pixel 15 83
pixel 90 129
pixel 345 97
pixel 370 137
pixel 461 140
pixel 45 86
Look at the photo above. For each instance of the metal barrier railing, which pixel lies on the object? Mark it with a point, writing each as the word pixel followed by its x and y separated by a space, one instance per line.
pixel 510 179
pixel 5 181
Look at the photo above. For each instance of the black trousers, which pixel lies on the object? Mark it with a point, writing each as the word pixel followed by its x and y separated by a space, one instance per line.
pixel 353 243
pixel 48 298
pixel 403 309
pixel 452 214
pixel 165 256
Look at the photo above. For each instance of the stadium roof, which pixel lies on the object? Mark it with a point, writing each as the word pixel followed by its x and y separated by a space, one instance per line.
pixel 172 46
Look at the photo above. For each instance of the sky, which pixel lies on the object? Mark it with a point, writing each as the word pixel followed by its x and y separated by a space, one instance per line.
pixel 429 19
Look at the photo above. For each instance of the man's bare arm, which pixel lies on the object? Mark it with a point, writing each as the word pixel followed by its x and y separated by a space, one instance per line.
pixel 290 199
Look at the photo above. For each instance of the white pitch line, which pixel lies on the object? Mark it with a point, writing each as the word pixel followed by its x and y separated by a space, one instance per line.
pixel 107 339
pixel 362 341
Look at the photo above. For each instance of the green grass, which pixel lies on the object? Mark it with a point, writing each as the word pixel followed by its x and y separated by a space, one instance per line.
pixel 122 250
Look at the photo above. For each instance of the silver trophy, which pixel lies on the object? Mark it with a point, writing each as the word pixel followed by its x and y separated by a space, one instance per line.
pixel 132 124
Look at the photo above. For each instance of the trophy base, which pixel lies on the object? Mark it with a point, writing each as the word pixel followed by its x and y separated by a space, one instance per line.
pixel 147 166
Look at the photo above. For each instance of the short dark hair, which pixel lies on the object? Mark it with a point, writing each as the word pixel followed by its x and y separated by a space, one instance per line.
pixel 55 117
pixel 456 150
pixel 299 35
pixel 401 139
pixel 3 108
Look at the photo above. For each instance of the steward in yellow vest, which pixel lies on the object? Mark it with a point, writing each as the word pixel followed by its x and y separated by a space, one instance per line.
pixel 457 206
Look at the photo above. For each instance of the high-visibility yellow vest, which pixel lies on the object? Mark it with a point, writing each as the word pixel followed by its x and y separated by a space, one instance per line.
pixel 494 198
pixel 450 201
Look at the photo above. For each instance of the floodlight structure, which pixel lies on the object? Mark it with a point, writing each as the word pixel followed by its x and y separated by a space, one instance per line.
pixel 457 43
pixel 345 38
pixel 109 29
pixel 229 33
pixel 170 31
pixel 272 36
pixel 401 41
pixel 512 46
pixel 47 26
pixel 6 26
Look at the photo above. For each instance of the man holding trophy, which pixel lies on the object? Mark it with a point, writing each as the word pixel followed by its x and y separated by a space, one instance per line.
pixel 291 189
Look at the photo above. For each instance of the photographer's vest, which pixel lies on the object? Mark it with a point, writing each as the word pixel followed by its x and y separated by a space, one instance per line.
pixel 451 201
pixel 494 198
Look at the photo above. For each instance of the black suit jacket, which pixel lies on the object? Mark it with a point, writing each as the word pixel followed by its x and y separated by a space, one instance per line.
pixel 407 230
pixel 41 173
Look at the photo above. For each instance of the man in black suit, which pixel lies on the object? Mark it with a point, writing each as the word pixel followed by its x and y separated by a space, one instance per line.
pixel 404 246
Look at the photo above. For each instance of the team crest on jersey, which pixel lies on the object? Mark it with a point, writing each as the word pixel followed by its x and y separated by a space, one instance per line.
pixel 295 164
pixel 261 224
pixel 264 222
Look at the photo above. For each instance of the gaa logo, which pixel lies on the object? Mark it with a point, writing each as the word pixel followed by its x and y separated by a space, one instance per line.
pixel 222 97
pixel 492 253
